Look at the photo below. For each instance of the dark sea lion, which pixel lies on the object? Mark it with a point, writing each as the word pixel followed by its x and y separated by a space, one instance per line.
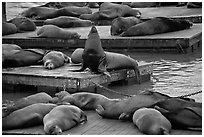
pixel 8 28
pixel 55 59
pixel 52 31
pixel 151 121
pixel 41 97
pixel 26 117
pixel 109 10
pixel 121 24
pixel 181 113
pixel 24 57
pixel 67 22
pixel 23 24
pixel 93 54
pixel 156 26
pixel 114 61
pixel 125 108
pixel 194 4
pixel 93 5
pixel 62 118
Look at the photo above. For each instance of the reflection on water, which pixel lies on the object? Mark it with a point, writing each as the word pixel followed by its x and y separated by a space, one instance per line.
pixel 173 74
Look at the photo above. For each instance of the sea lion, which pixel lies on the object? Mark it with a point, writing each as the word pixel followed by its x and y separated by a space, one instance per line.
pixel 67 22
pixel 55 59
pixel 125 108
pixel 121 24
pixel 62 118
pixel 156 26
pixel 41 97
pixel 52 31
pixel 113 61
pixel 183 114
pixel 151 121
pixel 26 117
pixel 141 4
pixel 24 57
pixel 23 24
pixel 8 28
pixel 83 100
pixel 109 10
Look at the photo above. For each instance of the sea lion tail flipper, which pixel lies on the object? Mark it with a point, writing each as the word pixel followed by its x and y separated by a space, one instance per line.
pixel 83 118
pixel 162 110
pixel 99 109
pixel 124 116
pixel 165 131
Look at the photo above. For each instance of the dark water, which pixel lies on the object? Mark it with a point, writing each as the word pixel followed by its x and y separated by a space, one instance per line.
pixel 173 74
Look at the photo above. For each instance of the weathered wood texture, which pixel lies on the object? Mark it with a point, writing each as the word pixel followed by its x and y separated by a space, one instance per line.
pixel 63 77
pixel 180 41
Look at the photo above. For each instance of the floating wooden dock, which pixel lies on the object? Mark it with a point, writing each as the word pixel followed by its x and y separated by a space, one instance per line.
pixel 63 77
pixel 179 41
pixel 97 126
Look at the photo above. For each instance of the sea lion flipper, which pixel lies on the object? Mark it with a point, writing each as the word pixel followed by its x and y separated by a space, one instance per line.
pixel 102 69
pixel 100 109
pixel 124 116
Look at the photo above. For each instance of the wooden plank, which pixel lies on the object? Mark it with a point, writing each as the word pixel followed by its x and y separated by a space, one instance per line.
pixel 97 126
pixel 63 77
pixel 184 38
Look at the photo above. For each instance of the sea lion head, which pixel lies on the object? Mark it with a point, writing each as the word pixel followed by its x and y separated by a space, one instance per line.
pixel 117 26
pixel 52 129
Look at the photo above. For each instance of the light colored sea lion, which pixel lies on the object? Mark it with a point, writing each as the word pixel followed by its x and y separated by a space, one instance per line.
pixel 121 24
pixel 23 24
pixel 183 114
pixel 24 57
pixel 67 22
pixel 151 121
pixel 52 31
pixel 26 117
pixel 41 97
pixel 55 59
pixel 62 118
pixel 8 28
pixel 109 10
pixel 156 26
pixel 114 61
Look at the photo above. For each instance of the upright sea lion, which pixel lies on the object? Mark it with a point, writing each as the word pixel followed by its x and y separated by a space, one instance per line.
pixel 182 113
pixel 8 28
pixel 52 31
pixel 67 22
pixel 109 10
pixel 41 97
pixel 151 121
pixel 114 61
pixel 121 24
pixel 23 24
pixel 26 117
pixel 156 26
pixel 55 59
pixel 62 118
pixel 24 57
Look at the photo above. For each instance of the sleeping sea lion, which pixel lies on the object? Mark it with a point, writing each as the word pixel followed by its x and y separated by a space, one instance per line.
pixel 62 118
pixel 151 121
pixel 67 22
pixel 24 57
pixel 55 59
pixel 156 26
pixel 181 113
pixel 141 4
pixel 121 24
pixel 125 108
pixel 109 10
pixel 26 117
pixel 8 28
pixel 23 24
pixel 114 61
pixel 41 97
pixel 52 31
